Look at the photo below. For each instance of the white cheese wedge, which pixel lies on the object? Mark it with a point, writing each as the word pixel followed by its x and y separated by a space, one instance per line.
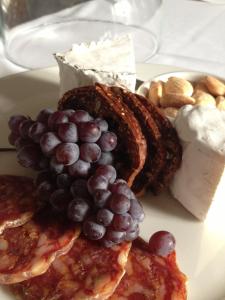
pixel 110 62
pixel 200 182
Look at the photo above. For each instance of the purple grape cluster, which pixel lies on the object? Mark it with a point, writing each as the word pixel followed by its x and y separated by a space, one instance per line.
pixel 72 153
pixel 106 206
pixel 66 141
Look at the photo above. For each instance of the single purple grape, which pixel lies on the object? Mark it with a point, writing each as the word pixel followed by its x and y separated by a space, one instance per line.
pixel 96 182
pixel 122 222
pixel 120 187
pixel 108 172
pixel 107 141
pixel 107 243
pixel 60 200
pixel 136 210
pixel 90 152
pixel 63 181
pixel 79 188
pixel 119 203
pixel 80 116
pixel 57 118
pixel 67 132
pixel 13 137
pixel 134 225
pixel 162 243
pixel 44 115
pixel 80 168
pixel 132 235
pixel 89 132
pixel 29 156
pixel 115 236
pixel 78 210
pixel 67 153
pixel 93 230
pixel 106 158
pixel 104 217
pixel 44 191
pixel 36 131
pixel 101 197
pixel 25 127
pixel 103 125
pixel 14 122
pixel 48 142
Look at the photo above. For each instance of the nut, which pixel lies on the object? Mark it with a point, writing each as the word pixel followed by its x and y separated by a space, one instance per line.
pixel 215 86
pixel 176 85
pixel 200 86
pixel 176 100
pixel 203 98
pixel 220 102
pixel 155 92
pixel 170 112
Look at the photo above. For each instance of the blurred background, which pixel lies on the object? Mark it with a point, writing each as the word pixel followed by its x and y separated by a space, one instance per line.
pixel 182 33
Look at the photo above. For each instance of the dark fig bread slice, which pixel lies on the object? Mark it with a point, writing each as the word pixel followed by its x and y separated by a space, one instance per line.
pixel 156 152
pixel 171 143
pixel 100 100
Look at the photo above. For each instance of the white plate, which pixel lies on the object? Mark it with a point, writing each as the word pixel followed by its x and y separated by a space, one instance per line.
pixel 200 246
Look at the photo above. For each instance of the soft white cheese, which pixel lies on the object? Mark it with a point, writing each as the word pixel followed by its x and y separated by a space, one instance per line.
pixel 111 62
pixel 201 176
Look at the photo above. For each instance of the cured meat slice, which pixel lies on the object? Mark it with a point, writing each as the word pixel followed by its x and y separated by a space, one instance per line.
pixel 17 201
pixel 89 271
pixel 150 277
pixel 156 154
pixel 28 250
pixel 101 101
pixel 171 143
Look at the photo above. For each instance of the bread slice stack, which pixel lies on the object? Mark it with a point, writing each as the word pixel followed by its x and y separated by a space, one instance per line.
pixel 148 152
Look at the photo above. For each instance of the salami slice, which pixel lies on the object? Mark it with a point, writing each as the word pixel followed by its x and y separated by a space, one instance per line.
pixel 17 201
pixel 150 277
pixel 89 271
pixel 28 250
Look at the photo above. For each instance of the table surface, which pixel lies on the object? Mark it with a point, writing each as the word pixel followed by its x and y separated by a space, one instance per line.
pixel 191 37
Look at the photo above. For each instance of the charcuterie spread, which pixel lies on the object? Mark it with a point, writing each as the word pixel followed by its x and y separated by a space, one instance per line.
pixel 78 191
pixel 76 228
pixel 17 201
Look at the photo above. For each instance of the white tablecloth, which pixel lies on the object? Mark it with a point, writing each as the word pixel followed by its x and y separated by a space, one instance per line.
pixel 192 36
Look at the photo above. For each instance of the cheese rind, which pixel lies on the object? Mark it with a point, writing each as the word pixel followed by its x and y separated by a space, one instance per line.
pixel 197 183
pixel 110 62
